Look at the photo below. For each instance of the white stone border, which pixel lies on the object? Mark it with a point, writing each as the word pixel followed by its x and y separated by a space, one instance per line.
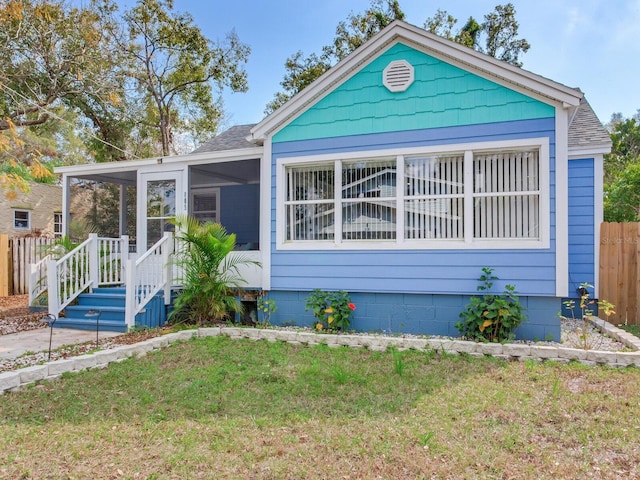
pixel 16 379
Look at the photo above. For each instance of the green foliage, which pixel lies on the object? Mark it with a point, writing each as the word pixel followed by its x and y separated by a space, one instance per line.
pixel 177 68
pixel 332 310
pixel 622 171
pixel 491 317
pixel 211 280
pixel 622 196
pixel 300 72
pixel 496 36
pixel 398 362
pixel 266 308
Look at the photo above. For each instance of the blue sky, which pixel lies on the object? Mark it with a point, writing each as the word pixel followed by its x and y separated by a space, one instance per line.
pixel 590 44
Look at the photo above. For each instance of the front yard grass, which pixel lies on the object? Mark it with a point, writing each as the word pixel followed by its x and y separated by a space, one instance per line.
pixel 632 329
pixel 220 408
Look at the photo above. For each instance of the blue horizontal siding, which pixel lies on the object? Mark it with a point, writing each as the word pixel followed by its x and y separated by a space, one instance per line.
pixel 581 223
pixel 543 127
pixel 417 271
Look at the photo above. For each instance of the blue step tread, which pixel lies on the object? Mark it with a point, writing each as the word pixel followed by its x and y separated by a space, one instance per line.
pixel 106 312
pixel 82 324
pixel 101 299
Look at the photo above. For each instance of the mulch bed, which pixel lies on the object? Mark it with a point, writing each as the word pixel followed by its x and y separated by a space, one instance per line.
pixel 15 315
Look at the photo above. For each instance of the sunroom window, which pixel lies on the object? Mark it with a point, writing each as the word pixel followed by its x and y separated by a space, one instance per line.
pixel 470 198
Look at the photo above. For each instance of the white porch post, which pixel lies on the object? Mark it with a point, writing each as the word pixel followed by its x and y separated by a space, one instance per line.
pixel 94 270
pixel 130 292
pixel 52 286
pixel 167 253
pixel 124 255
pixel 122 223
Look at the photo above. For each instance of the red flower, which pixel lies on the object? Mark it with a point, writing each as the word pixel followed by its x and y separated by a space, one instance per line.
pixel 352 306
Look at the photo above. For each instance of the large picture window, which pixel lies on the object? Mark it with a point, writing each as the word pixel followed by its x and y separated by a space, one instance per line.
pixel 472 197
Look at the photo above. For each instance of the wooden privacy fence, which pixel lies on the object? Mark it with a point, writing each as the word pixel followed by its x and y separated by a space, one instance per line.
pixel 15 256
pixel 620 270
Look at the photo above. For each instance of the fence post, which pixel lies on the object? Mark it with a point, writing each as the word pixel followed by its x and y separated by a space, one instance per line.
pixel 4 265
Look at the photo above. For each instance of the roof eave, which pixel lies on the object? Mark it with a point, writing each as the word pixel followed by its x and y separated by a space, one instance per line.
pixel 97 168
pixel 439 47
pixel 589 150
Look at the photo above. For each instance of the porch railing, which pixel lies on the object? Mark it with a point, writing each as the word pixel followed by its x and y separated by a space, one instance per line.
pixel 38 279
pixel 96 261
pixel 146 276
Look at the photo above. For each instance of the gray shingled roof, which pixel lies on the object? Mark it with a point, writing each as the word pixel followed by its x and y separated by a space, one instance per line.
pixel 232 139
pixel 586 130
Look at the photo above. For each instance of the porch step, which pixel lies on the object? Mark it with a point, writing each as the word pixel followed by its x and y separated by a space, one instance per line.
pixel 110 303
pixel 90 324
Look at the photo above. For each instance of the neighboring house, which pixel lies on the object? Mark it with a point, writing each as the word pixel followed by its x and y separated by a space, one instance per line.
pixel 38 212
pixel 397 176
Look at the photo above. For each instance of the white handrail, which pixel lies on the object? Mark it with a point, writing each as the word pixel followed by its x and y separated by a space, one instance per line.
pixel 38 278
pixel 146 276
pixel 72 274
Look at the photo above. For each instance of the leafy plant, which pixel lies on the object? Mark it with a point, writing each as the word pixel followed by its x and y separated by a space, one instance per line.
pixel 332 310
pixel 491 317
pixel 266 308
pixel 584 330
pixel 210 277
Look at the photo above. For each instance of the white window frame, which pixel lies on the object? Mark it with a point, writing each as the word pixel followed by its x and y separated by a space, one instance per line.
pixel 57 224
pixel 400 243
pixel 19 210
pixel 215 191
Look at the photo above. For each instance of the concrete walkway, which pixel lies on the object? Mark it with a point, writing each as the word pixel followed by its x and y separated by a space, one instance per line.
pixel 15 344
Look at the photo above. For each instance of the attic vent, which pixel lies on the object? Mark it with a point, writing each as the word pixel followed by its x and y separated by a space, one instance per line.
pixel 398 76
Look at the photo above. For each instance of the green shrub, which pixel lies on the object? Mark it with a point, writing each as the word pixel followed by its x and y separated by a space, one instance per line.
pixel 210 279
pixel 266 307
pixel 491 317
pixel 332 310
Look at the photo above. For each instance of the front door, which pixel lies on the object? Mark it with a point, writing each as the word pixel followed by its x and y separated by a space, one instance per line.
pixel 162 198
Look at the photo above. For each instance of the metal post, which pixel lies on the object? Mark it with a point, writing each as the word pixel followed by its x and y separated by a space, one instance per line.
pixel 50 318
pixel 95 313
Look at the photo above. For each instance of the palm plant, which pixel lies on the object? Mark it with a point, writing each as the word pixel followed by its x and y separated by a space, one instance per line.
pixel 210 276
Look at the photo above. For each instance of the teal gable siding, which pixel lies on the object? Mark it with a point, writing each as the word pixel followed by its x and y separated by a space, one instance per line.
pixel 442 95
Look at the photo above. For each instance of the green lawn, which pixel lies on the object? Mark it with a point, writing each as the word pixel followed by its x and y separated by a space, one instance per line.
pixel 633 329
pixel 220 408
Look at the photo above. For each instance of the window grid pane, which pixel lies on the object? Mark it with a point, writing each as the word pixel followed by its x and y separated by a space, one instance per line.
pixel 506 195
pixel 22 219
pixel 368 200
pixel 434 202
pixel 310 210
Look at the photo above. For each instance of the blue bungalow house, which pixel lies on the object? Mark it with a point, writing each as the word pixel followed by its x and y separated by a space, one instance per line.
pixel 396 176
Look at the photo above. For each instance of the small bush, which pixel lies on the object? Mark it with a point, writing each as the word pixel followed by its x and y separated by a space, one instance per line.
pixel 491 317
pixel 332 310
